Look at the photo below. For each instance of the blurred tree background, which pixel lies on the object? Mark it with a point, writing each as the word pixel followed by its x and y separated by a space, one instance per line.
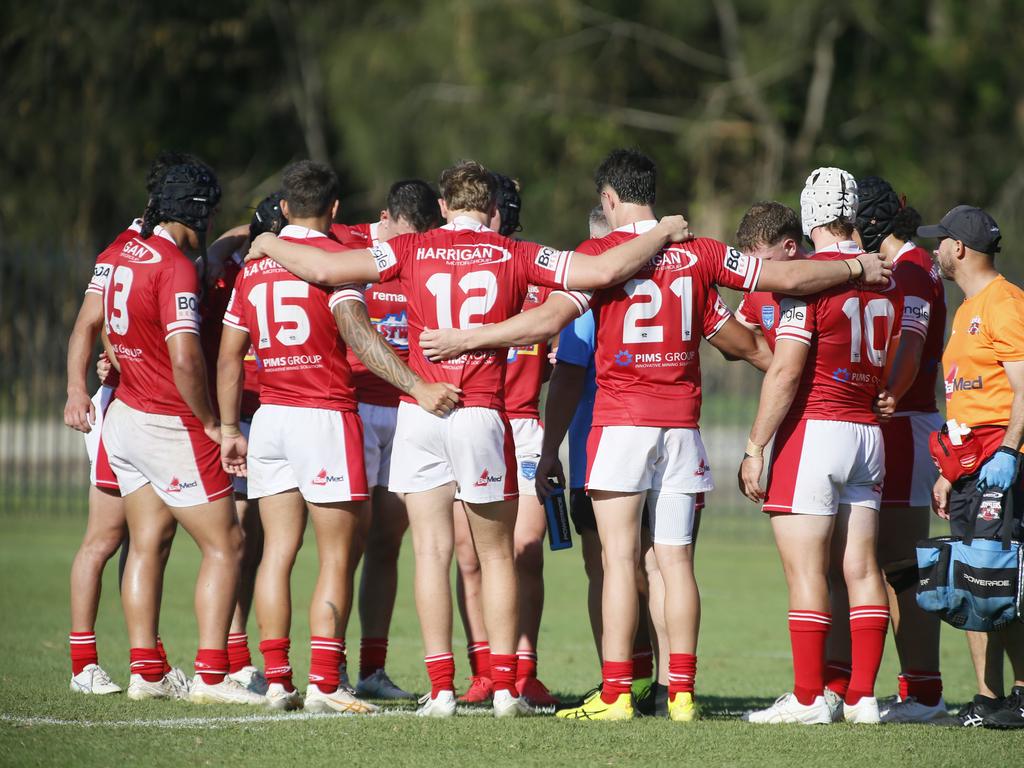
pixel 737 100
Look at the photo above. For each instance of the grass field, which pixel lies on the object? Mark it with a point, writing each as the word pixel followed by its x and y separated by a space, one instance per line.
pixel 743 663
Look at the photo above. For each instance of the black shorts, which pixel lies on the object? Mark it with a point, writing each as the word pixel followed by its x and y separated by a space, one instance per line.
pixel 581 510
pixel 966 500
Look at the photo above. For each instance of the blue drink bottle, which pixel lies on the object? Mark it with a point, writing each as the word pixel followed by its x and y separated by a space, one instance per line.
pixel 559 533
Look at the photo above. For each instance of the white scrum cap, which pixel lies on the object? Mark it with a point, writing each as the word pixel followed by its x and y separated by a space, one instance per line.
pixel 828 194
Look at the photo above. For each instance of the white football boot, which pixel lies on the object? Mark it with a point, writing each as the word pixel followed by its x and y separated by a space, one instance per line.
pixel 507 705
pixel 179 680
pixel 834 702
pixel 787 709
pixel 250 677
pixel 864 712
pixel 93 679
pixel 280 699
pixel 910 710
pixel 227 691
pixel 342 700
pixel 380 686
pixel 443 705
pixel 140 689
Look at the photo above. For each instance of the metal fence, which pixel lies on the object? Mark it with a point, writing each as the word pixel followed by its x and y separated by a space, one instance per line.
pixel 43 464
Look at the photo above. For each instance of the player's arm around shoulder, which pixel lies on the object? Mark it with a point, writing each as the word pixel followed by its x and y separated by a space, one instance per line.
pixel 316 265
pixel 617 264
pixel 802 277
pixel 354 325
pixel 530 327
pixel 736 341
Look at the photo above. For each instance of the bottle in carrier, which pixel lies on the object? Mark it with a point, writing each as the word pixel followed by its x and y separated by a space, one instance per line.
pixel 559 533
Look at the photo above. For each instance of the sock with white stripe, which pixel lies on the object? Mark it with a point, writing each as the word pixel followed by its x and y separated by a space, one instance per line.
pixel 83 650
pixel 441 669
pixel 147 662
pixel 212 665
pixel 324 658
pixel 682 673
pixel 808 631
pixel 616 679
pixel 868 625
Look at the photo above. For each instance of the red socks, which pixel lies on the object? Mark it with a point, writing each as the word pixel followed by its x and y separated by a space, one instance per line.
pixel 480 659
pixel 325 654
pixel 808 631
pixel 924 685
pixel 643 663
pixel 868 625
pixel 526 664
pixel 441 668
pixel 277 668
pixel 503 672
pixel 373 653
pixel 837 677
pixel 83 650
pixel 147 662
pixel 212 665
pixel 682 672
pixel 617 679
pixel 238 652
pixel 163 654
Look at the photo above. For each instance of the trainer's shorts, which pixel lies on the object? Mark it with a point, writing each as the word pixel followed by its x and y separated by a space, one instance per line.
pixel 316 450
pixel 239 483
pixel 581 510
pixel 172 453
pixel 910 472
pixel 529 436
pixel 965 499
pixel 472 447
pixel 379 423
pixel 633 459
pixel 817 465
pixel 101 401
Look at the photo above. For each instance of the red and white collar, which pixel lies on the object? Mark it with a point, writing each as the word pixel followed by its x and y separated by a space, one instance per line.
pixel 299 233
pixel 638 227
pixel 843 246
pixel 161 232
pixel 907 246
pixel 466 222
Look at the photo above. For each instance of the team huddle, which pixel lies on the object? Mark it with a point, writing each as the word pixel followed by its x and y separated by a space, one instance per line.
pixel 385 376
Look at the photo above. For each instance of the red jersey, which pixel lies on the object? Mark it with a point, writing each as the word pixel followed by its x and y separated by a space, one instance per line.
pixel 100 275
pixel 760 310
pixel 924 313
pixel 524 374
pixel 386 305
pixel 849 331
pixel 292 327
pixel 463 275
pixel 148 297
pixel 649 328
pixel 212 306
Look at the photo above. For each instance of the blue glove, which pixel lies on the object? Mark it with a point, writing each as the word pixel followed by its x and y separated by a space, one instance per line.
pixel 999 471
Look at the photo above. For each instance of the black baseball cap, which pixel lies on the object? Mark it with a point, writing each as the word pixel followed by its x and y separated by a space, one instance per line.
pixel 971 226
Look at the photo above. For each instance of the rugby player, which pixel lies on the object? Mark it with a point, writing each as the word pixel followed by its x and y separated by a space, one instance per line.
pixel 983 363
pixel 306 447
pixel 106 528
pixel 644 441
pixel 526 371
pixel 160 437
pixel 411 207
pixel 464 274
pixel 885 223
pixel 825 481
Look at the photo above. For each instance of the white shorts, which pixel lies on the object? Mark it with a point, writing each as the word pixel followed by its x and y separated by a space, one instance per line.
pixel 528 435
pixel 472 447
pixel 318 451
pixel 239 483
pixel 633 459
pixel 910 471
pixel 817 465
pixel 101 401
pixel 172 453
pixel 379 423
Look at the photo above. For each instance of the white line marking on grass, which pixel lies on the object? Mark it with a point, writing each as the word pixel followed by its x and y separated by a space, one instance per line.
pixel 217 721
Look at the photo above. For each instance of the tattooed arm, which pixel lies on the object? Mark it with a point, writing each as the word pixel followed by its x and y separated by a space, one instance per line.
pixel 377 355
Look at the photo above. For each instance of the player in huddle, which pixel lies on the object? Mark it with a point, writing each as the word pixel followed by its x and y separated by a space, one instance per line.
pixel 463 275
pixel 305 452
pixel 832 353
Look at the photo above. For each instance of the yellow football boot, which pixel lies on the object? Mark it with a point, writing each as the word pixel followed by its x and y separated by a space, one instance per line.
pixel 594 708
pixel 682 708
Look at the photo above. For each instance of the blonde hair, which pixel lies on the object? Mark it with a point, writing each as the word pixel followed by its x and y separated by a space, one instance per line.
pixel 468 186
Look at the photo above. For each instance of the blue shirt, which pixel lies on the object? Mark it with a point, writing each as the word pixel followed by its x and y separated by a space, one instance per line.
pixel 576 347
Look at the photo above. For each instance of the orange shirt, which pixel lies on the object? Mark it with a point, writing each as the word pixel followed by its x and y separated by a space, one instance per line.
pixel 988 330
